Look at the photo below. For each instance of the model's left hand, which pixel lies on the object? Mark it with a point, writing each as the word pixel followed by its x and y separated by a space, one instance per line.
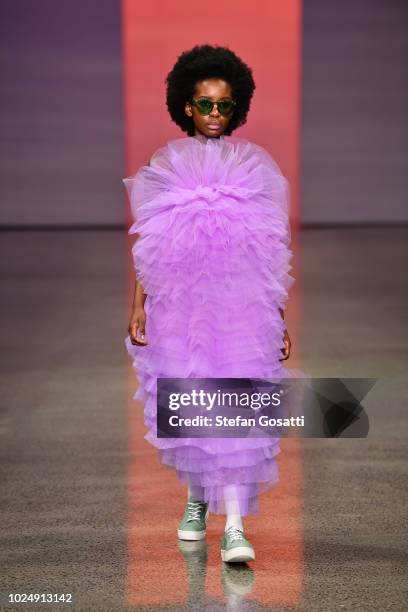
pixel 288 344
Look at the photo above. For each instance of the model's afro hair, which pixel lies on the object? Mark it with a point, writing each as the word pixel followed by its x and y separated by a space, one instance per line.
pixel 206 62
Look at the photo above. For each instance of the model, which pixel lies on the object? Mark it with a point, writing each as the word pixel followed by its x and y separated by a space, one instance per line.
pixel 212 268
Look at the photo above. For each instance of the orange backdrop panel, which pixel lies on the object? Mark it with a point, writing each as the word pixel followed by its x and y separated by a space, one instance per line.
pixel 266 35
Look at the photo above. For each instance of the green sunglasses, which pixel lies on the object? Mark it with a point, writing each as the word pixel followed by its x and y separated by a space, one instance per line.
pixel 205 106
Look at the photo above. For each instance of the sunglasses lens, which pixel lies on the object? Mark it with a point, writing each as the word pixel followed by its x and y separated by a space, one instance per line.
pixel 204 106
pixel 225 107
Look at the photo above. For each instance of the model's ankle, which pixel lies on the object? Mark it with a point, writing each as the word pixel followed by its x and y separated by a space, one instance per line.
pixel 234 521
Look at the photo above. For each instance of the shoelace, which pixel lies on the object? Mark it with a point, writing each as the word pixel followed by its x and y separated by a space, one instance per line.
pixel 194 510
pixel 234 533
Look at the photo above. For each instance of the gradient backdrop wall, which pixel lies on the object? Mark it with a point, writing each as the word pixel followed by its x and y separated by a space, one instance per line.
pixel 63 113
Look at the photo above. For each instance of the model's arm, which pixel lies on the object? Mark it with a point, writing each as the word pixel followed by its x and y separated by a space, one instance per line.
pixel 286 340
pixel 137 321
pixel 139 296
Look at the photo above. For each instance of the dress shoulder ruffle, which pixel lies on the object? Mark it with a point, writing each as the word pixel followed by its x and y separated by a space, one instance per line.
pixel 208 168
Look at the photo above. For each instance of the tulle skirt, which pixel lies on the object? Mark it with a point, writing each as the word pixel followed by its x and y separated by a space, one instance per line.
pixel 213 259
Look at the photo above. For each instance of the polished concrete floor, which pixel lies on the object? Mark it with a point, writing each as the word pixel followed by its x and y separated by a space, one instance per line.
pixel 87 509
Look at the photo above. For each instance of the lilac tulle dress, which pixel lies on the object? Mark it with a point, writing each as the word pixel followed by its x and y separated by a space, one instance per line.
pixel 213 258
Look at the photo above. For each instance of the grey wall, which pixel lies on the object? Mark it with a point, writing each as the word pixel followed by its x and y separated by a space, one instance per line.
pixel 61 112
pixel 61 118
pixel 355 106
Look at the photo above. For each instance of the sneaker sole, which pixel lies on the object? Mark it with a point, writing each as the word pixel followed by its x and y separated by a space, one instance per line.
pixel 238 554
pixel 193 535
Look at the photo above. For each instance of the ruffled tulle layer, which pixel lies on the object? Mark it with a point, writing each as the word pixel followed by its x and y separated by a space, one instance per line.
pixel 213 258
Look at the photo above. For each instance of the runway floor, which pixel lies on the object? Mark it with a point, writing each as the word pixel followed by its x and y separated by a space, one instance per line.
pixel 87 509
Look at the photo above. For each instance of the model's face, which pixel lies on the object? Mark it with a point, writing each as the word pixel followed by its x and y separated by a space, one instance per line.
pixel 213 124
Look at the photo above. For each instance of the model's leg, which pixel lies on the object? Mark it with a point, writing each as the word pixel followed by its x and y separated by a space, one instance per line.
pixel 232 509
pixel 234 545
pixel 195 493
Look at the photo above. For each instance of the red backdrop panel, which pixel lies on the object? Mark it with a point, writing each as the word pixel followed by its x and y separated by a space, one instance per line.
pixel 266 35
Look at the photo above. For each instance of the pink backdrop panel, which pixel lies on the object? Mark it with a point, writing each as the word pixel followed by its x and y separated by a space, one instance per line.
pixel 266 35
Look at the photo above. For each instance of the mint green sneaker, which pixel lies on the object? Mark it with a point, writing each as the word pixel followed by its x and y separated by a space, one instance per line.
pixel 235 547
pixel 193 525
